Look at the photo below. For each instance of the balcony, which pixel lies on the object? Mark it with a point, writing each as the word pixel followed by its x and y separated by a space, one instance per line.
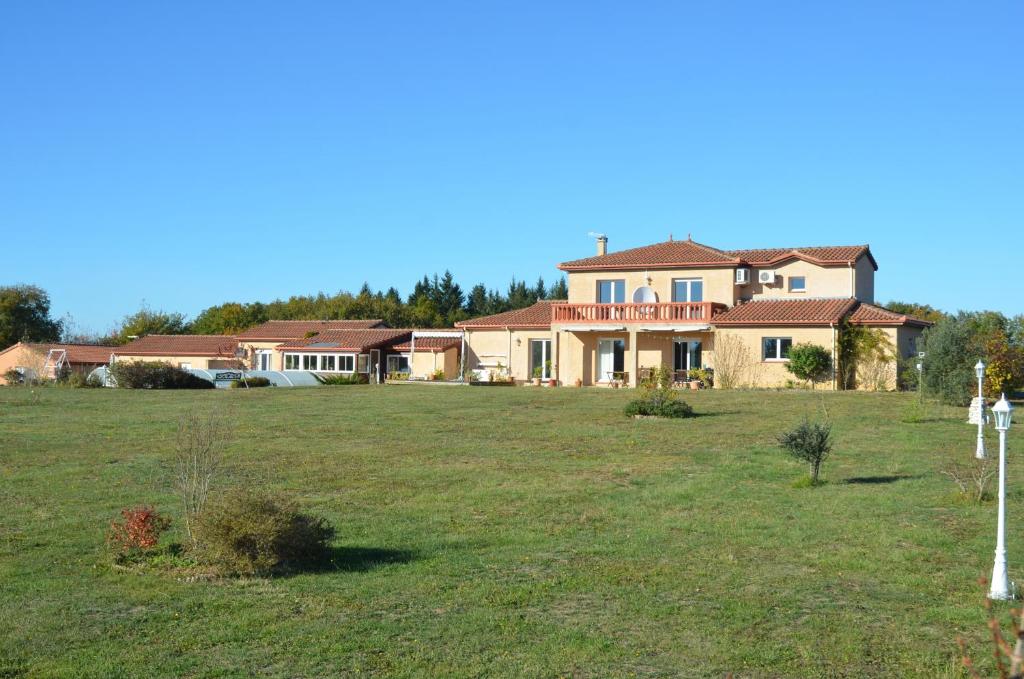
pixel 670 312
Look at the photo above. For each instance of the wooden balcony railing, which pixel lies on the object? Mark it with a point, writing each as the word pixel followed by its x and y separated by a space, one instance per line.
pixel 670 312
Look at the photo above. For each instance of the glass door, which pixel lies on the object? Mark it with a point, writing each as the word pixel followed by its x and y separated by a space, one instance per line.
pixel 611 355
pixel 687 355
pixel 540 357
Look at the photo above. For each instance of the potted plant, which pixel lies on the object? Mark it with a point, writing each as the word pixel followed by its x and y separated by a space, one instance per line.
pixel 537 374
pixel 551 380
pixel 579 382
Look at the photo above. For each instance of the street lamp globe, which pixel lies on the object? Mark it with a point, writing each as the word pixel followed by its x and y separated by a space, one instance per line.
pixel 1003 413
pixel 979 370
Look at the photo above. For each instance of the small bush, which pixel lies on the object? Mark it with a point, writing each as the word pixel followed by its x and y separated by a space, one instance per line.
pixel 650 408
pixel 810 442
pixel 149 375
pixel 972 478
pixel 438 374
pixel 13 378
pixel 345 378
pixel 809 362
pixel 249 533
pixel 252 382
pixel 140 531
pixel 77 380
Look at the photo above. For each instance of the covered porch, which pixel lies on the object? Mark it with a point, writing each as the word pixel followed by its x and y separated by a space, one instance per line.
pixel 622 356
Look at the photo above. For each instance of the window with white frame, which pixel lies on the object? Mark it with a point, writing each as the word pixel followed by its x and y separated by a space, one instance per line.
pixel 346 363
pixel 398 364
pixel 611 292
pixel 687 289
pixel 291 361
pixel 776 348
pixel 310 362
pixel 327 362
pixel 798 284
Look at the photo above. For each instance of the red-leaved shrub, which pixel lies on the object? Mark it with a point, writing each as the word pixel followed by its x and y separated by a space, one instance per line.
pixel 139 531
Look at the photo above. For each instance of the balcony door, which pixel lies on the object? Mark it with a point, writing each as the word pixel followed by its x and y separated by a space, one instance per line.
pixel 687 354
pixel 540 357
pixel 687 289
pixel 611 292
pixel 611 358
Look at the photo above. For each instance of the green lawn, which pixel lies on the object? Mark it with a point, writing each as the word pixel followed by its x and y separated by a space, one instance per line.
pixel 505 532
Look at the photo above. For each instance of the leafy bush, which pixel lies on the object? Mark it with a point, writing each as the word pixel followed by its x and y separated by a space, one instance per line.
pixel 810 442
pixel 344 378
pixel 250 533
pixel 649 408
pixel 155 375
pixel 438 374
pixel 12 377
pixel 140 531
pixel 77 380
pixel 252 382
pixel 657 398
pixel 956 343
pixel 809 362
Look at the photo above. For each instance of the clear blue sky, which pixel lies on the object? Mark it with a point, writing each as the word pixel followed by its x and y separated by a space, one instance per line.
pixel 196 153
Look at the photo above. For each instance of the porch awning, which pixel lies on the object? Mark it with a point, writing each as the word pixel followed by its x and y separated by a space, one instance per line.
pixel 666 327
pixel 593 328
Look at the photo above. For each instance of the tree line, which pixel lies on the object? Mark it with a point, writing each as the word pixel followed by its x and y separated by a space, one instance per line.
pixel 436 301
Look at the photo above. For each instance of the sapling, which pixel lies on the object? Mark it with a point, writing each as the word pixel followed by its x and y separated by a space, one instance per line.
pixel 810 442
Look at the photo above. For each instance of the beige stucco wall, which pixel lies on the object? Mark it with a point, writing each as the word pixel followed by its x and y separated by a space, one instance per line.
pixel 821 281
pixel 760 373
pixel 277 362
pixel 424 363
pixel 20 356
pixel 718 283
pixel 577 352
pixel 510 348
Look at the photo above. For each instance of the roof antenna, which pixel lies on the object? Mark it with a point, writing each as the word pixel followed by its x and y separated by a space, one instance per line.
pixel 669 236
pixel 689 237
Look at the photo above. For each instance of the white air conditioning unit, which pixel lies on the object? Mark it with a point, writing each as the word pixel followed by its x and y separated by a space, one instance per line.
pixel 766 277
pixel 742 276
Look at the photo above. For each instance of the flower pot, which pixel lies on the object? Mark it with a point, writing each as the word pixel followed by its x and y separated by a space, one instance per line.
pixel 536 381
pixel 552 383
pixel 694 386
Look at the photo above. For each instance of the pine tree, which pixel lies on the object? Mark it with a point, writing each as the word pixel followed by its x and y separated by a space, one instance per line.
pixel 559 290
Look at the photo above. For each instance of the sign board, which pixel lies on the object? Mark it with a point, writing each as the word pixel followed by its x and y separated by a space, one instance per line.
pixel 226 376
pixel 978 412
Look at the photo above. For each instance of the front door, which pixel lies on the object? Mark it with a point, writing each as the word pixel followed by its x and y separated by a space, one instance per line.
pixel 375 366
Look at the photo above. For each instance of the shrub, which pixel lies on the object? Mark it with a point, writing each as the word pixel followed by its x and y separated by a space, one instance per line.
pixel 150 375
pixel 972 478
pixel 809 362
pixel 438 374
pixel 250 533
pixel 140 531
pixel 198 461
pixel 77 380
pixel 351 378
pixel 810 442
pixel 252 382
pixel 657 398
pixel 13 378
pixel 648 408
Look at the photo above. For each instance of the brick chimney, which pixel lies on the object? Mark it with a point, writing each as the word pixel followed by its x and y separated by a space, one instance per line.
pixel 602 245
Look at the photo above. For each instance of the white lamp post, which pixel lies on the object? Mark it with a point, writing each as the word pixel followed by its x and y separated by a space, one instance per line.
pixel 979 370
pixel 1001 589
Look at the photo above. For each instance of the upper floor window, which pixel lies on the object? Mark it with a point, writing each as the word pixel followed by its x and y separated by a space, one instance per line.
pixel 611 292
pixel 776 348
pixel 687 289
pixel 798 284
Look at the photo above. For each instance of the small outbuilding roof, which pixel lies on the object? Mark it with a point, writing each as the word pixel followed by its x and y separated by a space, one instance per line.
pixel 282 331
pixel 431 344
pixel 76 353
pixel 180 345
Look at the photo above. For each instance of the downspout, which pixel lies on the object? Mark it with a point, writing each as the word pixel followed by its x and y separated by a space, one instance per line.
pixel 462 358
pixel 853 286
pixel 509 366
pixel 835 365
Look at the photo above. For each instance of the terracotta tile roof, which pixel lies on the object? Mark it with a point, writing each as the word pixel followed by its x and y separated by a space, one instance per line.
pixel 786 312
pixel 282 331
pixel 76 353
pixel 180 345
pixel 870 314
pixel 536 316
pixel 432 344
pixel 669 253
pixel 688 253
pixel 830 254
pixel 347 340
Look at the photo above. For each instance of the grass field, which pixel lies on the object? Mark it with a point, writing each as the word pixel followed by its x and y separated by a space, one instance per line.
pixel 505 532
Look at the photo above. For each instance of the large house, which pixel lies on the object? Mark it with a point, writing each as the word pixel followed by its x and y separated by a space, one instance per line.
pixel 686 305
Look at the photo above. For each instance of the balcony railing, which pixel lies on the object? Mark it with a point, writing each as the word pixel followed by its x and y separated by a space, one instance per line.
pixel 670 312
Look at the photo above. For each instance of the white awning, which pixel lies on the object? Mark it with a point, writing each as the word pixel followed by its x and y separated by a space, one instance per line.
pixel 594 328
pixel 675 328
